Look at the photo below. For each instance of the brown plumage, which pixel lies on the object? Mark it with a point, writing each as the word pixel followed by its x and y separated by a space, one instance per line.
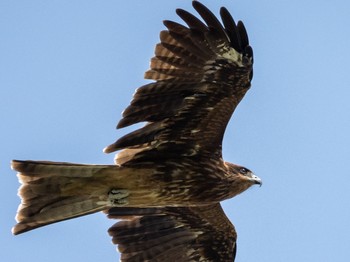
pixel 170 172
pixel 201 233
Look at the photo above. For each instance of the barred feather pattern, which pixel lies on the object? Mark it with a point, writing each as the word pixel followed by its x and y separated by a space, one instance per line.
pixel 185 234
pixel 172 167
pixel 57 191
pixel 202 72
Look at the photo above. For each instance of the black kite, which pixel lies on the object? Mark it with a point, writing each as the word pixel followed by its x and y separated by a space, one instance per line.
pixel 170 176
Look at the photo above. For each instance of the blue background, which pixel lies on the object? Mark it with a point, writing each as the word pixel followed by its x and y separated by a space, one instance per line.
pixel 69 68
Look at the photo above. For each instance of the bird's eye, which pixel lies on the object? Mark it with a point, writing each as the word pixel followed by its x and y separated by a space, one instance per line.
pixel 243 171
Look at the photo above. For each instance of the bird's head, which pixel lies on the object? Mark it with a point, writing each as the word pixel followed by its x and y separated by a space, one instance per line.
pixel 241 178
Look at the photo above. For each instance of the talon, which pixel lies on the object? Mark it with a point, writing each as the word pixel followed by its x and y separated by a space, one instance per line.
pixel 118 197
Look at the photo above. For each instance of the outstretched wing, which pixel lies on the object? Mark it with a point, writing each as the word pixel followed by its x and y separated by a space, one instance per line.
pixel 173 234
pixel 202 72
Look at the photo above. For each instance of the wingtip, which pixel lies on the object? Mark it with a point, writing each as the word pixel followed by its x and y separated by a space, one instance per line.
pixel 243 33
pixel 197 4
pixel 201 8
pixel 108 149
pixel 112 147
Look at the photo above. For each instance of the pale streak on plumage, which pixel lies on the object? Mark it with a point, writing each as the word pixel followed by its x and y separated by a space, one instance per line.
pixel 168 234
pixel 171 169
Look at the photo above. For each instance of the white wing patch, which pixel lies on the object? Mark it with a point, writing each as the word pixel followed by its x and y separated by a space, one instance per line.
pixel 233 55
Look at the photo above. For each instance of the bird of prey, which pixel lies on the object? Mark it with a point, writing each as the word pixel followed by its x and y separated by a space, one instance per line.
pixel 169 177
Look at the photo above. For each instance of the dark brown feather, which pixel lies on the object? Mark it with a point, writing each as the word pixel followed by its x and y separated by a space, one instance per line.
pixel 192 21
pixel 213 23
pixel 170 175
pixel 231 29
pixel 171 234
pixel 202 73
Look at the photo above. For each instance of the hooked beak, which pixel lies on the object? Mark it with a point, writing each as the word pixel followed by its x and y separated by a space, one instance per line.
pixel 256 180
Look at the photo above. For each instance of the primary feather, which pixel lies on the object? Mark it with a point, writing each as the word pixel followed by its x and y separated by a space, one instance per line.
pixel 169 176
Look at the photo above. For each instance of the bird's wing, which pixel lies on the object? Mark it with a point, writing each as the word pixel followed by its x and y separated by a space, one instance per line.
pixel 202 72
pixel 174 234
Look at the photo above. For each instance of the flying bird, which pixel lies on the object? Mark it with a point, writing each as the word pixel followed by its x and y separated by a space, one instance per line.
pixel 169 177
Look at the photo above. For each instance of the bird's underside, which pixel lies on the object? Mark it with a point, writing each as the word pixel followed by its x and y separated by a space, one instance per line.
pixel 169 176
pixel 201 233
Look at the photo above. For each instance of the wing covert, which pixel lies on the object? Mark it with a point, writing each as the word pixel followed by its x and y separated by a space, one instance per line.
pixel 202 71
pixel 173 234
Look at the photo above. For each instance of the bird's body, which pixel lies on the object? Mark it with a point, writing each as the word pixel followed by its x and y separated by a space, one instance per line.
pixel 53 191
pixel 170 171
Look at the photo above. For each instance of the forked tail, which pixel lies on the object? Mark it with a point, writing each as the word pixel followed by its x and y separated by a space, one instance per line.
pixel 52 192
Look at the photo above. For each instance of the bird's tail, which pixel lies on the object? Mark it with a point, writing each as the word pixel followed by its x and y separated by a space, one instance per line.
pixel 53 192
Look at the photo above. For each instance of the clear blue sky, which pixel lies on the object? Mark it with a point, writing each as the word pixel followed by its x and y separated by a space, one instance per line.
pixel 68 68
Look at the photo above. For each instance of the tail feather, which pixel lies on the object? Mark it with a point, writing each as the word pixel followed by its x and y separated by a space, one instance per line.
pixel 27 220
pixel 52 192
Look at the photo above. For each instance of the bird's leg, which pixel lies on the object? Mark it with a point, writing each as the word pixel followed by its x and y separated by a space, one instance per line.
pixel 118 197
